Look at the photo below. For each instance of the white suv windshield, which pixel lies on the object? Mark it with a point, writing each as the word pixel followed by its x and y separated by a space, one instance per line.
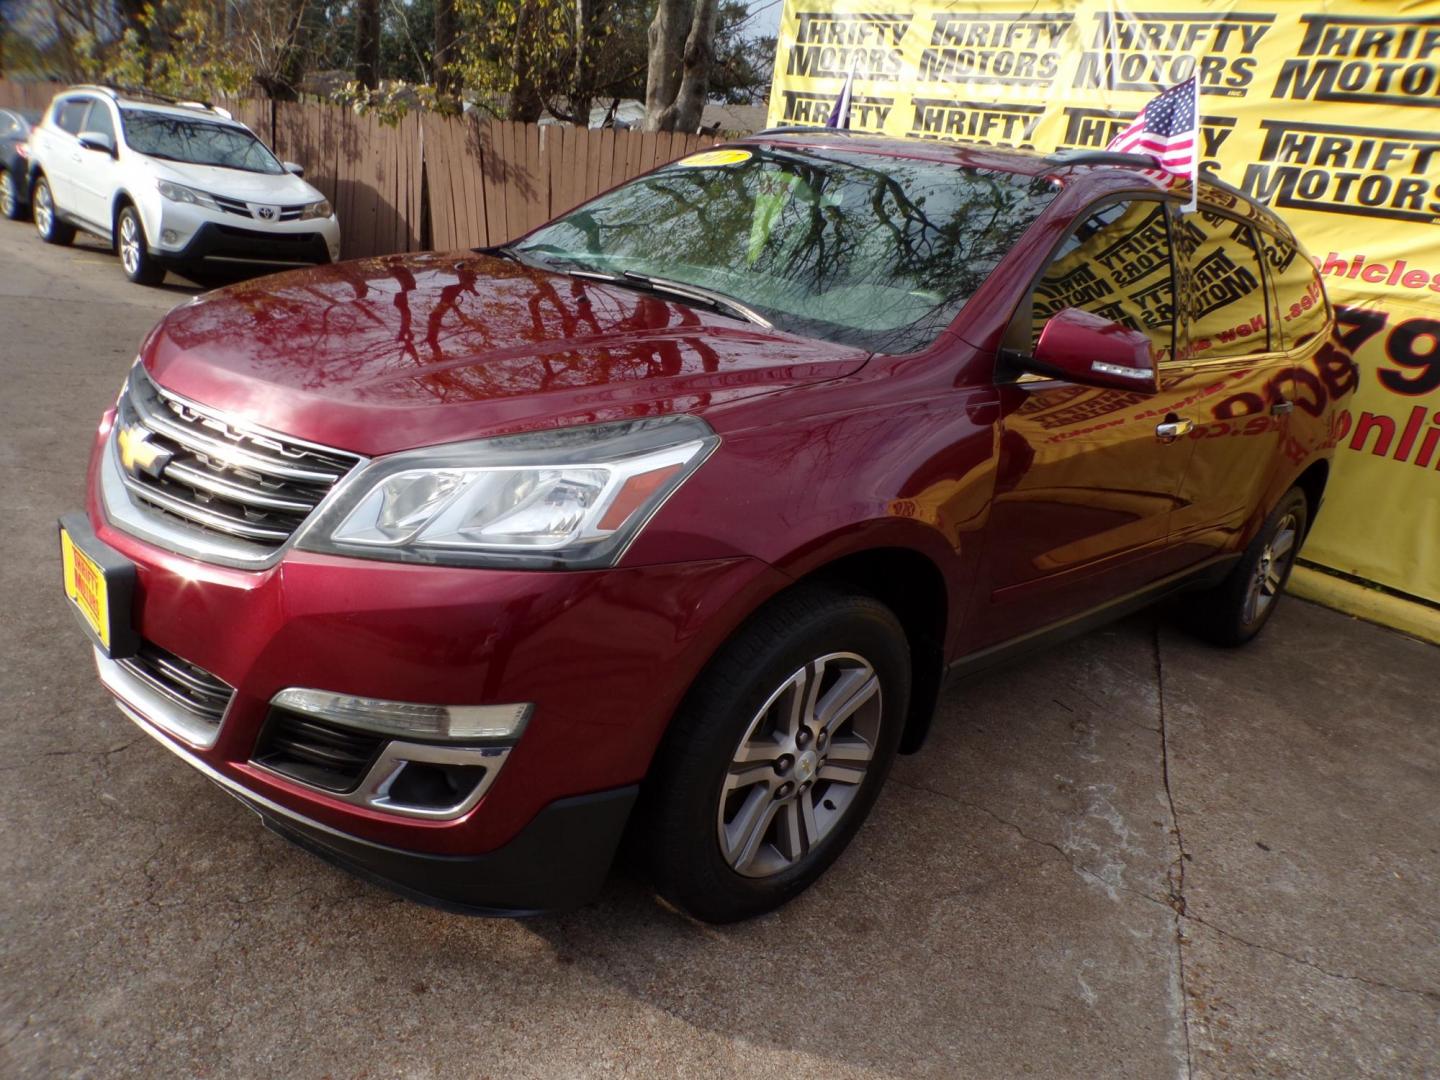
pixel 875 251
pixel 196 142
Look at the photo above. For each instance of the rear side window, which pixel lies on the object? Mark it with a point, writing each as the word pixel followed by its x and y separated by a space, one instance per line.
pixel 1117 265
pixel 99 120
pixel 1298 292
pixel 1222 288
pixel 70 114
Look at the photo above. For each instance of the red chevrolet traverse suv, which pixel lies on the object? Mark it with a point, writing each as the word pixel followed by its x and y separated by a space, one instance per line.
pixel 676 513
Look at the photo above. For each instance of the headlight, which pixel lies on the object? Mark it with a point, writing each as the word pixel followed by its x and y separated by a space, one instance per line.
pixel 572 498
pixel 182 194
pixel 319 209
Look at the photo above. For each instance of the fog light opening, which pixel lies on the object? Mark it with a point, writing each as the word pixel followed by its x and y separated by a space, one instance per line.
pixel 425 785
pixel 169 236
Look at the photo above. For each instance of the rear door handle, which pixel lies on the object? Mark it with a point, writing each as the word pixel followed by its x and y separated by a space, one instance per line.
pixel 1281 407
pixel 1173 429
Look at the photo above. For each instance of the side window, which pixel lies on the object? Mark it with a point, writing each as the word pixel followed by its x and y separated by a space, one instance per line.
pixel 1298 292
pixel 1222 288
pixel 99 120
pixel 1117 265
pixel 70 114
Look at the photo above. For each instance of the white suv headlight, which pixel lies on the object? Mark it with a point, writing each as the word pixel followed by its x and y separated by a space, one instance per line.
pixel 181 194
pixel 573 498
pixel 319 209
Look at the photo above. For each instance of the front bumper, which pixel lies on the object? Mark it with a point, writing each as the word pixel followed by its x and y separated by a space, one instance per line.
pixel 604 657
pixel 557 862
pixel 182 232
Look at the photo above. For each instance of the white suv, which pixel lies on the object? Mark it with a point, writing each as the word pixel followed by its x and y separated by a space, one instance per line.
pixel 170 184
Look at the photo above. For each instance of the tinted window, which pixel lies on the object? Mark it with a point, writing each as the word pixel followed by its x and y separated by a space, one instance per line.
pixel 99 120
pixel 873 251
pixel 70 114
pixel 196 141
pixel 1117 265
pixel 1222 287
pixel 1300 296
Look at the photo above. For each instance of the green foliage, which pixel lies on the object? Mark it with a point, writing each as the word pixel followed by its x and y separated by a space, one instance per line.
pixel 178 49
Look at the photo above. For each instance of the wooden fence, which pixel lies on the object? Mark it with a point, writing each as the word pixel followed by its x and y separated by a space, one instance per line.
pixel 434 181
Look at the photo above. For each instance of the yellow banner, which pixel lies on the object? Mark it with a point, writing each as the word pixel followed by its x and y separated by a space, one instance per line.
pixel 1328 112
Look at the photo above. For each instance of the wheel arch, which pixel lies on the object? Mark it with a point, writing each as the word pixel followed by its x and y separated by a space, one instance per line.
pixel 1312 482
pixel 119 202
pixel 911 585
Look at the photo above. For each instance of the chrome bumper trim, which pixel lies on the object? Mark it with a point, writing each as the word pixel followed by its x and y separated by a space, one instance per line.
pixel 373 792
pixel 131 690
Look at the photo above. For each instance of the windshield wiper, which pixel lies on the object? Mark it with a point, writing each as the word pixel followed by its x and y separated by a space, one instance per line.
pixel 716 300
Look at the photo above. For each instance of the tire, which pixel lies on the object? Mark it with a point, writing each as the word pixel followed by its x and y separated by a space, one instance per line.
pixel 1239 607
pixel 11 205
pixel 803 800
pixel 47 219
pixel 135 259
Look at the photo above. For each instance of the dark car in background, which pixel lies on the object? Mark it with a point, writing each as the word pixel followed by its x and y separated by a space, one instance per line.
pixel 15 127
pixel 676 513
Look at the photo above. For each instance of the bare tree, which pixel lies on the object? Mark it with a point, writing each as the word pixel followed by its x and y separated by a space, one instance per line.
pixel 679 69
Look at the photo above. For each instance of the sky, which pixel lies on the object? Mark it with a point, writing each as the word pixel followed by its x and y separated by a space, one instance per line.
pixel 765 18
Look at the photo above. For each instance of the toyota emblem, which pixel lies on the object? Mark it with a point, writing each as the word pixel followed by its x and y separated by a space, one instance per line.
pixel 266 212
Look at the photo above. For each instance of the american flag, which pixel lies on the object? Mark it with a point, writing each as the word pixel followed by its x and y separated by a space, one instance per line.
pixel 1168 129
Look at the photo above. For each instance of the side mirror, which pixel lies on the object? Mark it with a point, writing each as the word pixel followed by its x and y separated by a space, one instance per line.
pixel 1083 348
pixel 97 141
pixel 292 168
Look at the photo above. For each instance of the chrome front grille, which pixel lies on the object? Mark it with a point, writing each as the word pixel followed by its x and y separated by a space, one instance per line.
pixel 240 208
pixel 204 473
pixel 232 206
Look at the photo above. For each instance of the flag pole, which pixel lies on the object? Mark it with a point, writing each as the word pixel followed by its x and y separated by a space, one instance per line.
pixel 1195 156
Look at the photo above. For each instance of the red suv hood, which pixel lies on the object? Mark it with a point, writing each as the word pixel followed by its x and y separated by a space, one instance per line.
pixel 386 354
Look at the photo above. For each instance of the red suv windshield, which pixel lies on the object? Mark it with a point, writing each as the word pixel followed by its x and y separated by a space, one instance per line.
pixel 860 249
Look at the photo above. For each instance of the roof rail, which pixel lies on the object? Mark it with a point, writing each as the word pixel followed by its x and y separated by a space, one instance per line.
pixel 1101 157
pixel 141 93
pixel 813 129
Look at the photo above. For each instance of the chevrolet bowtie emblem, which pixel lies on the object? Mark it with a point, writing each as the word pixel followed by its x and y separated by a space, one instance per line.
pixel 138 454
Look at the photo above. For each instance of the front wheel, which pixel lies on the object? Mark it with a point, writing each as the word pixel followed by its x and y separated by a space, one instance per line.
pixel 1239 607
pixel 47 218
pixel 776 758
pixel 140 266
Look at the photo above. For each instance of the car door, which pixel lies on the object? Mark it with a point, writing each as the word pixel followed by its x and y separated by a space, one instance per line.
pixel 63 157
pixel 96 172
pixel 1233 378
pixel 1085 486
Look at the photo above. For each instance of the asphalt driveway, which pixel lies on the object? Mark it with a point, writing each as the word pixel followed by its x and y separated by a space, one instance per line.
pixel 1136 856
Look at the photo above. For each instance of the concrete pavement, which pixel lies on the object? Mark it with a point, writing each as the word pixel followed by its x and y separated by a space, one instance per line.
pixel 1135 856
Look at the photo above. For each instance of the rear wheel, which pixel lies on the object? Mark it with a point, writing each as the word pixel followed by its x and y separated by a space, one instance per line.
pixel 778 755
pixel 135 256
pixel 1239 607
pixel 10 204
pixel 47 218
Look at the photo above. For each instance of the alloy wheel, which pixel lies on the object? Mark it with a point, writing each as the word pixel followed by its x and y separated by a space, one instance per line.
pixel 7 195
pixel 799 765
pixel 44 209
pixel 1269 576
pixel 129 244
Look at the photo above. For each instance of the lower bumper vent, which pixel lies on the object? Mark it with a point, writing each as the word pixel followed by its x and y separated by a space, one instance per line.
pixel 313 752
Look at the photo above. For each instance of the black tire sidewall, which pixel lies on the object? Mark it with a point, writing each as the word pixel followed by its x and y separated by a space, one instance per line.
pixel 147 271
pixel 1233 628
pixel 689 865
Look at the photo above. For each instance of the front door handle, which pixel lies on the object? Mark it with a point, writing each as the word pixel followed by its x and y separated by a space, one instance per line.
pixel 1171 430
pixel 1281 407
